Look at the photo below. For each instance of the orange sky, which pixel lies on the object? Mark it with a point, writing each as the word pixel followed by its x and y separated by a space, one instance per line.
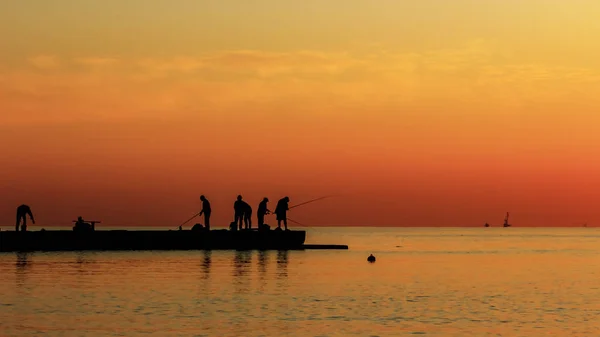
pixel 419 113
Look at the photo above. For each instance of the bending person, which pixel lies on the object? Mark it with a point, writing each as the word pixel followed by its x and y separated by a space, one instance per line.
pixel 22 212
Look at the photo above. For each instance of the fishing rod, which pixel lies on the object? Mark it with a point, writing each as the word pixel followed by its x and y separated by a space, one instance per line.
pixel 298 205
pixel 190 219
pixel 304 203
pixel 308 202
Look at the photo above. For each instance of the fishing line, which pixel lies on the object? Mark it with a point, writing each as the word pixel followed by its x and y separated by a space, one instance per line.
pixel 315 229
pixel 296 222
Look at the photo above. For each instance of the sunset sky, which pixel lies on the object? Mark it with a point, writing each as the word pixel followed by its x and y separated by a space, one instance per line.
pixel 412 113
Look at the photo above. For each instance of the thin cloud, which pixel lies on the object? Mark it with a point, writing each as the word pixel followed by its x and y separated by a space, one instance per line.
pixel 96 61
pixel 177 64
pixel 44 61
pixel 472 75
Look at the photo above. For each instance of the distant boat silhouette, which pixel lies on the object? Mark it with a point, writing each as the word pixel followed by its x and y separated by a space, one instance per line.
pixel 486 225
pixel 506 224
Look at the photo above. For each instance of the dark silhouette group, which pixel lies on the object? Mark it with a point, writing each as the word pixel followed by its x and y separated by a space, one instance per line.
pixel 242 213
pixel 24 210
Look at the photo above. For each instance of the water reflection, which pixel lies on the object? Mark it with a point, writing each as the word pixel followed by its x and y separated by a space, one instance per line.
pixel 23 264
pixel 84 257
pixel 282 263
pixel 241 268
pixel 206 261
pixel 263 261
pixel 23 261
pixel 82 260
pixel 326 293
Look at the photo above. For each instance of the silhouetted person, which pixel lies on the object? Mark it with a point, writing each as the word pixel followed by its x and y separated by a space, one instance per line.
pixel 281 211
pixel 247 215
pixel 262 211
pixel 206 211
pixel 81 225
pixel 239 208
pixel 22 212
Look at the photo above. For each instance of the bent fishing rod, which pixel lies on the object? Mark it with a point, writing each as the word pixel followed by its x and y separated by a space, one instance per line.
pixel 190 219
pixel 308 202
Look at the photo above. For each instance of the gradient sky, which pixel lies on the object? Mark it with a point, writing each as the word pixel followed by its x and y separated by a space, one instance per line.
pixel 422 113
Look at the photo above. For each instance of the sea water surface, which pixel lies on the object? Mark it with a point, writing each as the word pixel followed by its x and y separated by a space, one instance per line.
pixel 426 281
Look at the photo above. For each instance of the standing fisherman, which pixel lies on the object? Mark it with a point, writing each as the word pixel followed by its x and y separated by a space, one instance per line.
pixel 22 212
pixel 262 211
pixel 247 215
pixel 206 211
pixel 281 212
pixel 238 209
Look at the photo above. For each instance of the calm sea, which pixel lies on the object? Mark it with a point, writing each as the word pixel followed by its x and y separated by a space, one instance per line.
pixel 432 282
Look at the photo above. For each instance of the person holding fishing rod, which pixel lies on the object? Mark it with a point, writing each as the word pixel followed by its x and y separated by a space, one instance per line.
pixel 281 212
pixel 298 205
pixel 206 211
pixel 262 211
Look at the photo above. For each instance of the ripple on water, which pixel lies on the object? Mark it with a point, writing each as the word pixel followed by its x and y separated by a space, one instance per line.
pixel 439 284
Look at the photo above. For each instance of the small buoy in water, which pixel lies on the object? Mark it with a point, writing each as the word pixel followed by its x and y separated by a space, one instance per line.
pixel 371 258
